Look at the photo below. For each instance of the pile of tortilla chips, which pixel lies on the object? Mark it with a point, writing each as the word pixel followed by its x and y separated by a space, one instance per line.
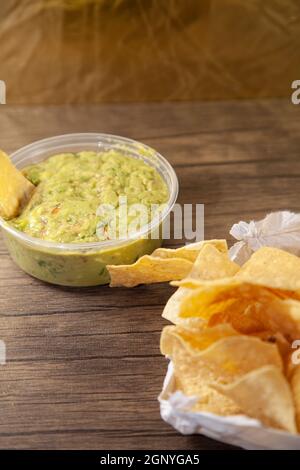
pixel 233 328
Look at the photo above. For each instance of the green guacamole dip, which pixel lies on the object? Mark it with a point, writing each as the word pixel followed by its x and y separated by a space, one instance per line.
pixel 69 189
pixel 72 186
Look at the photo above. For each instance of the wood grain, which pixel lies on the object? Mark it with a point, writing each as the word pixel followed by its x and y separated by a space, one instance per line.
pixel 83 365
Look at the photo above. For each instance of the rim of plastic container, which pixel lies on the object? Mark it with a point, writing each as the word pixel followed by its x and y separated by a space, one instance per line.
pixel 79 139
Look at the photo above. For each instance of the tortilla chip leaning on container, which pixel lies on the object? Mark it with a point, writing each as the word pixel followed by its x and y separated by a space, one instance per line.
pixel 15 189
pixel 191 251
pixel 165 264
pixel 148 270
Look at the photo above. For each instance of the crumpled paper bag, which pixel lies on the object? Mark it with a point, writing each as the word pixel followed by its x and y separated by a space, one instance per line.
pixel 278 229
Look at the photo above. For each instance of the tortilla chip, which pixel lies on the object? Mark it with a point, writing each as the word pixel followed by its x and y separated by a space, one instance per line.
pixel 165 264
pixel 273 268
pixel 193 377
pixel 295 385
pixel 193 341
pixel 172 308
pixel 263 394
pixel 237 355
pixel 276 338
pixel 213 264
pixel 191 251
pixel 248 307
pixel 147 270
pixel 219 296
pixel 281 316
pixel 15 189
pixel 210 264
pixel 223 361
pixel 223 348
pixel 243 317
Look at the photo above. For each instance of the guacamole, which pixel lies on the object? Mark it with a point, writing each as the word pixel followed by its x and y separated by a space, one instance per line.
pixel 71 187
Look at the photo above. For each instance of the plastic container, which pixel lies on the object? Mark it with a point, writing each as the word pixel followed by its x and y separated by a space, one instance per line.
pixel 84 264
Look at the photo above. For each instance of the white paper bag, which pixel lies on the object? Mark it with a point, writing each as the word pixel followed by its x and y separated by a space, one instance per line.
pixel 280 230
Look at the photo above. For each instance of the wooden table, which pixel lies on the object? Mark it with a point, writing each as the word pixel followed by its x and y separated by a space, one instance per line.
pixel 83 365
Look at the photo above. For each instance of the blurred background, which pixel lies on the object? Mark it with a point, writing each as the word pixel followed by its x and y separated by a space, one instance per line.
pixel 95 51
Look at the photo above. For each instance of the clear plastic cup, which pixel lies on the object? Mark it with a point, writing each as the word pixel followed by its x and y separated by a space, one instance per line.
pixel 84 264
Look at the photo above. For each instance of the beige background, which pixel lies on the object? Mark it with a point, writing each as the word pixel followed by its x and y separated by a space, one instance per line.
pixel 70 51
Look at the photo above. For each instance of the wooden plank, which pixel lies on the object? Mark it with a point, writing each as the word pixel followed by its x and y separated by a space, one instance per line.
pixel 83 365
